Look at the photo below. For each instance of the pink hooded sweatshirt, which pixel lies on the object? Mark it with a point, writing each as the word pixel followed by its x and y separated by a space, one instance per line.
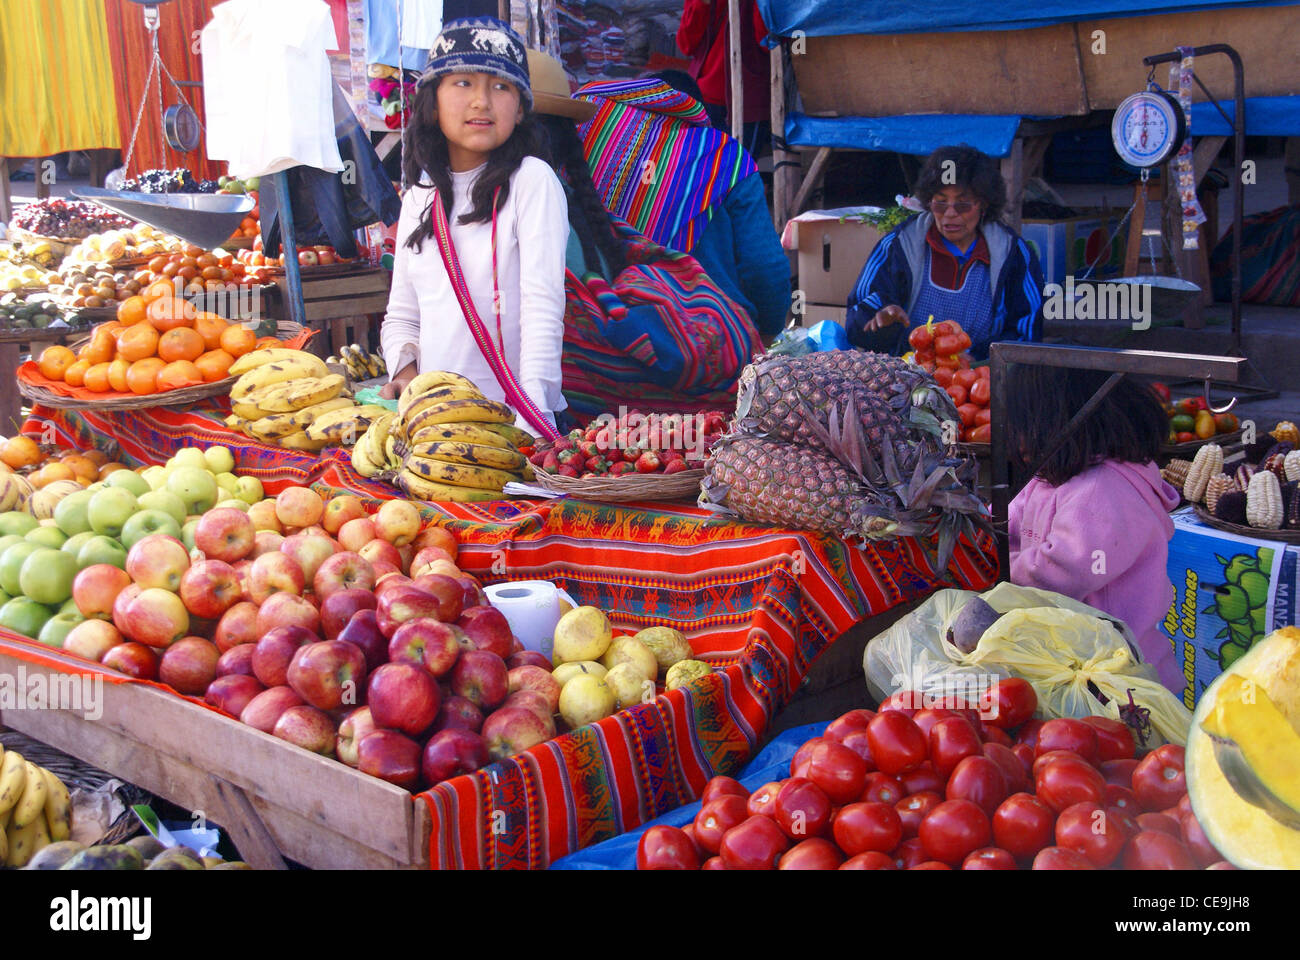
pixel 1122 510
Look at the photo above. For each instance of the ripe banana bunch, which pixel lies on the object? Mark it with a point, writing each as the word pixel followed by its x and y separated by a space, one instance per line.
pixel 35 809
pixel 448 442
pixel 361 365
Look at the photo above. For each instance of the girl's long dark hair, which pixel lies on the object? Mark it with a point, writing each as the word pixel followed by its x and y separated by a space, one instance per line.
pixel 1129 425
pixel 427 161
pixel 587 214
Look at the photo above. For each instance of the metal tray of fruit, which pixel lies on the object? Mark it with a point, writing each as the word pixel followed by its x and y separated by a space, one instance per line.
pixel 1191 446
pixel 629 488
pixel 1210 520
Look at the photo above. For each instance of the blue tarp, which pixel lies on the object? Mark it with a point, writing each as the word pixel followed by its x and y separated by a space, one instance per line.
pixel 829 18
pixel 772 763
pixel 1265 117
pixel 920 134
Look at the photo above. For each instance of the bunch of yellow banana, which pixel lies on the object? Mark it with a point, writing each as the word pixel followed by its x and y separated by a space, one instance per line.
pixel 290 399
pixel 35 808
pixel 361 365
pixel 446 442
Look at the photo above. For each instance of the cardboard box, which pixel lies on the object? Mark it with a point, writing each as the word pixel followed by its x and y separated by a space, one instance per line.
pixel 1066 247
pixel 814 313
pixel 832 252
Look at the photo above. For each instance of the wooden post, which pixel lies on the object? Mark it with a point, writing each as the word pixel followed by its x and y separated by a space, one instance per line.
pixel 734 71
pixel 1133 251
pixel 816 170
pixel 783 175
pixel 1013 172
pixel 6 201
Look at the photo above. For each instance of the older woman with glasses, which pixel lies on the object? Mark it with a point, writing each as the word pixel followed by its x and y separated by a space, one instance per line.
pixel 956 261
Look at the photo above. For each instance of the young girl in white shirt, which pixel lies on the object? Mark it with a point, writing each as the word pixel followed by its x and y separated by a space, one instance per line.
pixel 473 138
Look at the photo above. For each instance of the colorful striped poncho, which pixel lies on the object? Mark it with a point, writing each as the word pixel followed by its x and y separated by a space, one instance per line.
pixel 655 161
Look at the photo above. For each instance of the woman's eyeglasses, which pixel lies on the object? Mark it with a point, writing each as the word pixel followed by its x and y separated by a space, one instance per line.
pixel 962 207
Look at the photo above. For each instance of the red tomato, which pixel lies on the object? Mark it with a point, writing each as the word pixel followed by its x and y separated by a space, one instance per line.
pixel 1063 783
pixel 1066 734
pixel 882 788
pixel 953 829
pixel 811 854
pixel 926 718
pixel 666 848
pixel 839 771
pixel 1185 803
pixel 1058 858
pixel 980 394
pixel 999 736
pixel 802 754
pixel 1025 754
pixel 1197 843
pixel 1086 828
pixel 1160 823
pixel 689 830
pixel 909 853
pixel 967 412
pixel 762 802
pixel 721 787
pixel 1028 732
pixel 1153 850
pixel 957 392
pixel 860 827
pixel 906 702
pixel 853 720
pixel 1008 703
pixel 931 865
pixel 856 740
pixel 921 779
pixel 942 375
pixel 989 858
pixel 979 780
pixel 913 808
pixel 1114 739
pixel 1043 759
pixel 1119 772
pixel 713 863
pixel 1022 825
pixel 1123 798
pixel 1124 819
pixel 802 809
pixel 756 844
pixel 1158 779
pixel 896 742
pixel 1009 764
pixel 951 741
pixel 921 338
pixel 871 860
pixel 717 817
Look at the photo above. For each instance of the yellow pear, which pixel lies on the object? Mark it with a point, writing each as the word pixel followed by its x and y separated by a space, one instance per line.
pixel 668 645
pixel 567 671
pixel 582 634
pixel 585 699
pixel 627 650
pixel 684 671
pixel 630 685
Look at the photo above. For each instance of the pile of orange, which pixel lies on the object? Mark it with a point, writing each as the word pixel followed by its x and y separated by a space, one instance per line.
pixel 158 342
pixel 22 454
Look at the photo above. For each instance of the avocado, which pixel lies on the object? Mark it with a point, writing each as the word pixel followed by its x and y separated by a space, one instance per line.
pixel 54 856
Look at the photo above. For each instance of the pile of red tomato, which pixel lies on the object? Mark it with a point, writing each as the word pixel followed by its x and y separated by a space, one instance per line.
pixel 939 789
pixel 941 350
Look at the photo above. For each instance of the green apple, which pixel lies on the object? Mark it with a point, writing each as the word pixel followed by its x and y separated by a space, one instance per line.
pixel 196 487
pixel 4 598
pixel 187 533
pixel 227 482
pixel 234 505
pixel 24 616
pixel 8 541
pixel 70 514
pixel 47 536
pixel 58 627
pixel 155 476
pixel 99 549
pixel 219 459
pixel 146 522
pixel 128 480
pixel 167 502
pixel 111 508
pixel 75 542
pixel 69 606
pixel 249 489
pixel 46 576
pixel 95 487
pixel 189 457
pixel 17 522
pixel 11 563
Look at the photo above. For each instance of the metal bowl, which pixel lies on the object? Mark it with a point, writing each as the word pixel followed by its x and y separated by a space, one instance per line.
pixel 204 219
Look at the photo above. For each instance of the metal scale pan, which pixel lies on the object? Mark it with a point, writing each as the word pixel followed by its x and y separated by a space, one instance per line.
pixel 204 219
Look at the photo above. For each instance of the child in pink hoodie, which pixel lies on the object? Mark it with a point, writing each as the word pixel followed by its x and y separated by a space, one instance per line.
pixel 1094 523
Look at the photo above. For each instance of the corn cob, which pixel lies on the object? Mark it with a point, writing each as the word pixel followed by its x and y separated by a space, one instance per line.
pixel 1293 513
pixel 1275 464
pixel 1231 507
pixel 1219 484
pixel 1264 501
pixel 1244 472
pixel 1208 462
pixel 1286 432
pixel 1291 464
pixel 1175 472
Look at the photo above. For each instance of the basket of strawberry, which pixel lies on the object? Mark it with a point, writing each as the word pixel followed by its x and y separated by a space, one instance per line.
pixel 631 457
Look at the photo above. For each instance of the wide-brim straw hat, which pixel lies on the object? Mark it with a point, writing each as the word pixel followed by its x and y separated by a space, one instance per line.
pixel 551 89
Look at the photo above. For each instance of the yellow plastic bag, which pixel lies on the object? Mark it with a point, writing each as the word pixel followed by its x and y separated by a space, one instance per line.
pixel 1055 642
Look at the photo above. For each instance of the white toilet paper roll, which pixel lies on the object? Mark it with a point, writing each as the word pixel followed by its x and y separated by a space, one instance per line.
pixel 532 607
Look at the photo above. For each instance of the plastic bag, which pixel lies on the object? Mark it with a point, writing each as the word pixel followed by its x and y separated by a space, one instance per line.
pixel 1055 642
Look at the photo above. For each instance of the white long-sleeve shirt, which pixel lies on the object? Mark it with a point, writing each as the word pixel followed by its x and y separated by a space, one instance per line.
pixel 425 323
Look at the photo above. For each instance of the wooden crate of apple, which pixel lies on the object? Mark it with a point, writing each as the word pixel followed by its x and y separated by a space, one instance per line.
pixel 633 443
pixel 943 350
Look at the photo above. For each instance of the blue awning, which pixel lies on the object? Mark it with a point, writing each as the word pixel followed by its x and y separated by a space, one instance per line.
pixel 914 133
pixel 1265 117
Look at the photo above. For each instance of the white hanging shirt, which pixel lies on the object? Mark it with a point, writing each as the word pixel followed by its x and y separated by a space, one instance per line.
pixel 421 23
pixel 267 89
pixel 424 322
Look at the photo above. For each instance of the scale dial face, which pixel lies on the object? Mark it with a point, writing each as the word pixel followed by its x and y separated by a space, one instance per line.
pixel 1147 129
pixel 182 128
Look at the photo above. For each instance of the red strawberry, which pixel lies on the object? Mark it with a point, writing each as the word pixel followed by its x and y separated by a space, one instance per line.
pixel 648 462
pixel 675 466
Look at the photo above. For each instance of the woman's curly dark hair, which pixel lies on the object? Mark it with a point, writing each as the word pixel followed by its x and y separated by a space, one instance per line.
pixel 587 214
pixel 971 170
pixel 427 161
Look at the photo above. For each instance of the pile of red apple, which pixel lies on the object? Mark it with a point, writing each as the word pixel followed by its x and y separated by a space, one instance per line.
pixel 353 636
pixel 633 443
pixel 939 789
